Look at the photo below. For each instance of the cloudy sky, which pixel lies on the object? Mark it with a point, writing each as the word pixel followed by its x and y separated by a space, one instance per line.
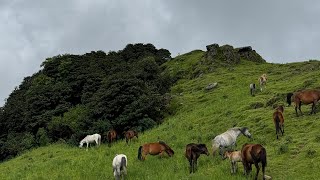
pixel 31 31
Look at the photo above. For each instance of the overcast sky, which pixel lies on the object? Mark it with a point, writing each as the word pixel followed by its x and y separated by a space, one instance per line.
pixel 31 31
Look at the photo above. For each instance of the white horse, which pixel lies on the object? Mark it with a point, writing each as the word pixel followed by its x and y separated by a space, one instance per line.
pixel 90 139
pixel 263 81
pixel 119 165
pixel 228 138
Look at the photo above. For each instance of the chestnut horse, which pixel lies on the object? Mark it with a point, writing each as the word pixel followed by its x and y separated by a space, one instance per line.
pixel 306 97
pixel 278 120
pixel 111 136
pixel 193 152
pixel 154 149
pixel 130 134
pixel 253 154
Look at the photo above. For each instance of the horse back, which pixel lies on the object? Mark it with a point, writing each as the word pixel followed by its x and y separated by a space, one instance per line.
pixel 277 115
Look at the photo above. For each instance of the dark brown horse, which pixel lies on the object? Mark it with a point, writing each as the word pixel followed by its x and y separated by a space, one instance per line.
pixel 154 149
pixel 111 136
pixel 130 134
pixel 278 120
pixel 193 152
pixel 305 97
pixel 253 154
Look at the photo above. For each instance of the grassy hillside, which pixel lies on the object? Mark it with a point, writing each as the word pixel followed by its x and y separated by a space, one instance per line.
pixel 200 116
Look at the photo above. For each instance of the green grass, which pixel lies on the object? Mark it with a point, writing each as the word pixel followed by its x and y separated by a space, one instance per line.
pixel 200 116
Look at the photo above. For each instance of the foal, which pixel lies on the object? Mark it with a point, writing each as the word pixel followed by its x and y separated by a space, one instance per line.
pixel 111 136
pixel 193 152
pixel 234 156
pixel 278 120
pixel 254 154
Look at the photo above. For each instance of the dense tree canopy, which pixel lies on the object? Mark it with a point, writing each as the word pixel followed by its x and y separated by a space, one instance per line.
pixel 75 95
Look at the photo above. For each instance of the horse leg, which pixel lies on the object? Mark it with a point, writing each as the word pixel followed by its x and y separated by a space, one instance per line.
pixel 295 108
pixel 190 165
pixel 258 169
pixel 87 146
pixel 300 108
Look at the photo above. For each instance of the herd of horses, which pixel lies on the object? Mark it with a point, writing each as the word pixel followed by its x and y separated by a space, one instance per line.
pixel 249 154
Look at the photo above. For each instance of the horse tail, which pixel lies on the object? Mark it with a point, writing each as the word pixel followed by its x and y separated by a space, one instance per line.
pixel 263 155
pixel 140 153
pixel 169 151
pixel 215 147
pixel 123 163
pixel 289 95
pixel 99 140
pixel 277 123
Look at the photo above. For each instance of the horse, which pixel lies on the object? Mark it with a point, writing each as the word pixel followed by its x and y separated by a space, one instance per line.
pixel 119 165
pixel 111 136
pixel 278 120
pixel 306 97
pixel 89 139
pixel 234 156
pixel 154 149
pixel 254 154
pixel 228 138
pixel 252 89
pixel 263 81
pixel 193 152
pixel 130 134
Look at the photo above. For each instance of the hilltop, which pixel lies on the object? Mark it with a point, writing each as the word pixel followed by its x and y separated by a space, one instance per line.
pixel 198 115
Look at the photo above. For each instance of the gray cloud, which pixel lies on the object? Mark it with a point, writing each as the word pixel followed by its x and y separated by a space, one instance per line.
pixel 30 32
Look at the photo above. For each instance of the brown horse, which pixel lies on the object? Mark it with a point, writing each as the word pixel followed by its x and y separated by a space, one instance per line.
pixel 154 149
pixel 111 136
pixel 305 97
pixel 253 154
pixel 278 120
pixel 193 152
pixel 130 134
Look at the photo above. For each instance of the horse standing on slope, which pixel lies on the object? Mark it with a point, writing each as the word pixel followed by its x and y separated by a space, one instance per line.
pixel 228 138
pixel 252 89
pixel 119 165
pixel 130 134
pixel 193 152
pixel 263 81
pixel 234 156
pixel 254 154
pixel 111 136
pixel 90 139
pixel 278 120
pixel 306 97
pixel 154 149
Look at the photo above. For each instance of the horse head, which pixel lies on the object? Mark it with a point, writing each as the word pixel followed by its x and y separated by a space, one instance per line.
pixel 81 144
pixel 203 149
pixel 245 132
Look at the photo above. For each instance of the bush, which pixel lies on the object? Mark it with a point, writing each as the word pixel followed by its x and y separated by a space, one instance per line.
pixel 42 137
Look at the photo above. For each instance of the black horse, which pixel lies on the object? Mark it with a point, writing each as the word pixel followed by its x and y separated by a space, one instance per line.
pixel 193 152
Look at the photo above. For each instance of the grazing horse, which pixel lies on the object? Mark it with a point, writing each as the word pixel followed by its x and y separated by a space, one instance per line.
pixel 111 136
pixel 253 154
pixel 234 156
pixel 119 165
pixel 228 138
pixel 90 139
pixel 278 120
pixel 130 134
pixel 306 97
pixel 252 89
pixel 263 81
pixel 154 149
pixel 193 152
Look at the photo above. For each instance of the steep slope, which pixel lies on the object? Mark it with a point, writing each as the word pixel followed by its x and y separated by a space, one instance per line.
pixel 199 116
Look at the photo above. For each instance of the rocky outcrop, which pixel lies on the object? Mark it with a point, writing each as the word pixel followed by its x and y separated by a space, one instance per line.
pixel 249 54
pixel 226 54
